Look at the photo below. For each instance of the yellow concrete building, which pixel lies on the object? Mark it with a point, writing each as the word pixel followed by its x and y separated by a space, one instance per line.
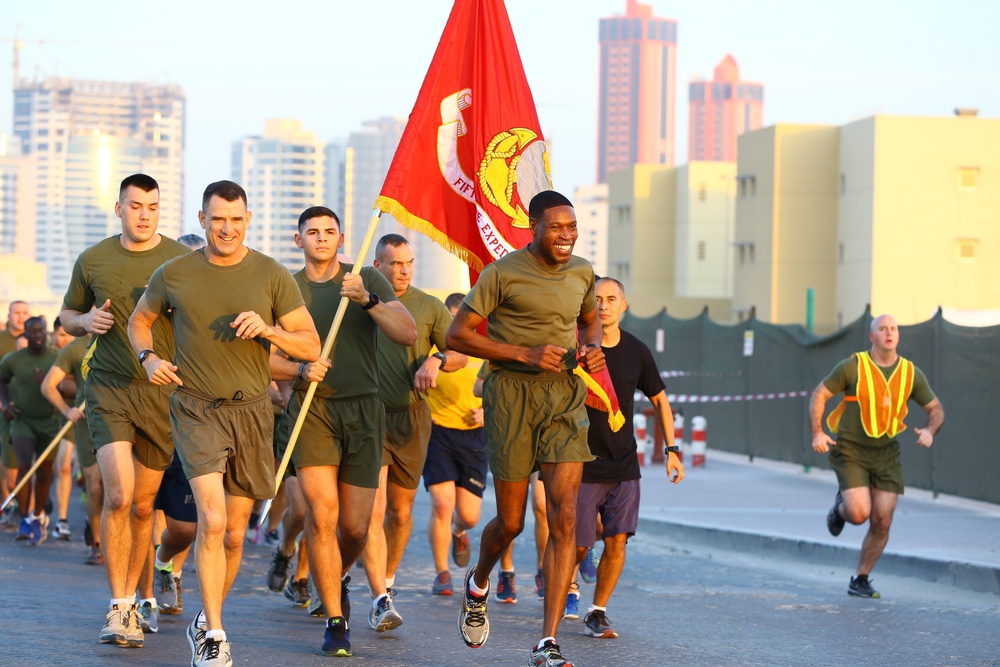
pixel 902 213
pixel 670 235
pixel 919 222
pixel 786 224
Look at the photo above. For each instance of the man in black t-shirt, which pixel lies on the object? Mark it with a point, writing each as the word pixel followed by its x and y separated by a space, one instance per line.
pixel 610 486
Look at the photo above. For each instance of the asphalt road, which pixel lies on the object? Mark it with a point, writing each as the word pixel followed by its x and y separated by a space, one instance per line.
pixel 677 604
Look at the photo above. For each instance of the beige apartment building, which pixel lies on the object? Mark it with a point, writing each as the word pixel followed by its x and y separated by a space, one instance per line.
pixel 670 237
pixel 902 213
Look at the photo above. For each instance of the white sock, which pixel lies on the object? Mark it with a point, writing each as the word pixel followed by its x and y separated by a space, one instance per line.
pixel 390 582
pixel 151 601
pixel 476 590
pixel 376 600
pixel 546 639
pixel 594 607
pixel 130 600
pixel 167 566
pixel 121 602
pixel 217 635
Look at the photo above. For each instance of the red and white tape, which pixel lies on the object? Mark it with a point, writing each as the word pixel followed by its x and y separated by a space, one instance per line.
pixel 686 374
pixel 696 398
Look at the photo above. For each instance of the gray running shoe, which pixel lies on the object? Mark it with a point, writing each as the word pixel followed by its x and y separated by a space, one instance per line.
pixel 113 631
pixel 548 655
pixel 596 624
pixel 442 584
pixel 298 592
pixel 62 531
pixel 472 620
pixel 196 634
pixel 383 615
pixel 149 617
pixel 213 653
pixel 165 588
pixel 316 608
pixel 461 550
pixel 134 637
pixel 277 573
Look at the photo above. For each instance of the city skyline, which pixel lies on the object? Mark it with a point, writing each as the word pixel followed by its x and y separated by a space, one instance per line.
pixel 847 64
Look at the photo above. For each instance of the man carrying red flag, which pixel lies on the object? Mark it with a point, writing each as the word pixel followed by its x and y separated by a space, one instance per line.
pixel 535 417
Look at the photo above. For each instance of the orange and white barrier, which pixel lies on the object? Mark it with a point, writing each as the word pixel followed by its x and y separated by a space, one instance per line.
pixel 698 441
pixel 679 435
pixel 639 423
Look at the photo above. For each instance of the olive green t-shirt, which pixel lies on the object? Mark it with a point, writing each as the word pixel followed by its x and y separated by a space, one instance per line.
pixel 25 371
pixel 528 303
pixel 205 299
pixel 844 377
pixel 106 270
pixel 70 362
pixel 354 371
pixel 8 342
pixel 397 364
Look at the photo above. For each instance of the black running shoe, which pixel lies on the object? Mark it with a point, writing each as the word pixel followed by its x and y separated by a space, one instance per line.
pixel 345 598
pixel 337 640
pixel 835 522
pixel 860 587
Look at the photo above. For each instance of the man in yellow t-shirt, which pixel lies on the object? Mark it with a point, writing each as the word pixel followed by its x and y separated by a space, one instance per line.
pixel 455 469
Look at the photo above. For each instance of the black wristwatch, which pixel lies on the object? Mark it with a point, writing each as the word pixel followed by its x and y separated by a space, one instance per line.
pixel 673 448
pixel 373 300
pixel 143 355
pixel 444 359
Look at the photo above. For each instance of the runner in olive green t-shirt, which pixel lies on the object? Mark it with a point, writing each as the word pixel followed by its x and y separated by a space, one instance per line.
pixel 127 417
pixel 338 455
pixel 533 301
pixel 226 303
pixel 33 422
pixel 405 374
pixel 70 364
pixel 868 468
pixel 17 314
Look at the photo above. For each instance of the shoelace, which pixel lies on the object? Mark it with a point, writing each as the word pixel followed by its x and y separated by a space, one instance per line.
pixel 210 649
pixel 475 615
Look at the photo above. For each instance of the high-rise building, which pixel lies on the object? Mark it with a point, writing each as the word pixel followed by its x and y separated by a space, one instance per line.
pixel 591 205
pixel 721 110
pixel 12 167
pixel 367 158
pixel 81 138
pixel 333 192
pixel 636 104
pixel 283 173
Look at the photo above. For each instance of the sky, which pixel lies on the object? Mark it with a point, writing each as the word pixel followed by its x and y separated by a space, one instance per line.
pixel 336 63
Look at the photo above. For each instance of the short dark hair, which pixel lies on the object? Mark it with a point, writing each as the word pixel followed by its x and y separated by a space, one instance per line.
pixel 57 324
pixel 394 240
pixel 226 190
pixel 193 241
pixel 610 279
pixel 317 212
pixel 454 300
pixel 144 182
pixel 33 319
pixel 545 200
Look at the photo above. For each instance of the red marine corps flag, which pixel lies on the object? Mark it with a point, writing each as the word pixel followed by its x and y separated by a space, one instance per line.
pixel 472 155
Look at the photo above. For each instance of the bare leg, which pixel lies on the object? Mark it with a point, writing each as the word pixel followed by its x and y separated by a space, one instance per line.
pixel 440 524
pixel 883 507
pixel 398 525
pixel 512 499
pixel 94 485
pixel 147 483
pixel 541 518
pixel 375 548
pixel 609 569
pixel 64 478
pixel 562 483
pixel 118 474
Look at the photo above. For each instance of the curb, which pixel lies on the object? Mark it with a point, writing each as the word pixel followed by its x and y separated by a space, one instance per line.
pixel 968 576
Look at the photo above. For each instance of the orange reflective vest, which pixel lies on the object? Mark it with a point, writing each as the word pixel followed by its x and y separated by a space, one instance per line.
pixel 882 403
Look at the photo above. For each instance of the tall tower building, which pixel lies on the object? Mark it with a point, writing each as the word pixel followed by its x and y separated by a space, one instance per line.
pixel 283 173
pixel 721 110
pixel 637 99
pixel 366 162
pixel 81 139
